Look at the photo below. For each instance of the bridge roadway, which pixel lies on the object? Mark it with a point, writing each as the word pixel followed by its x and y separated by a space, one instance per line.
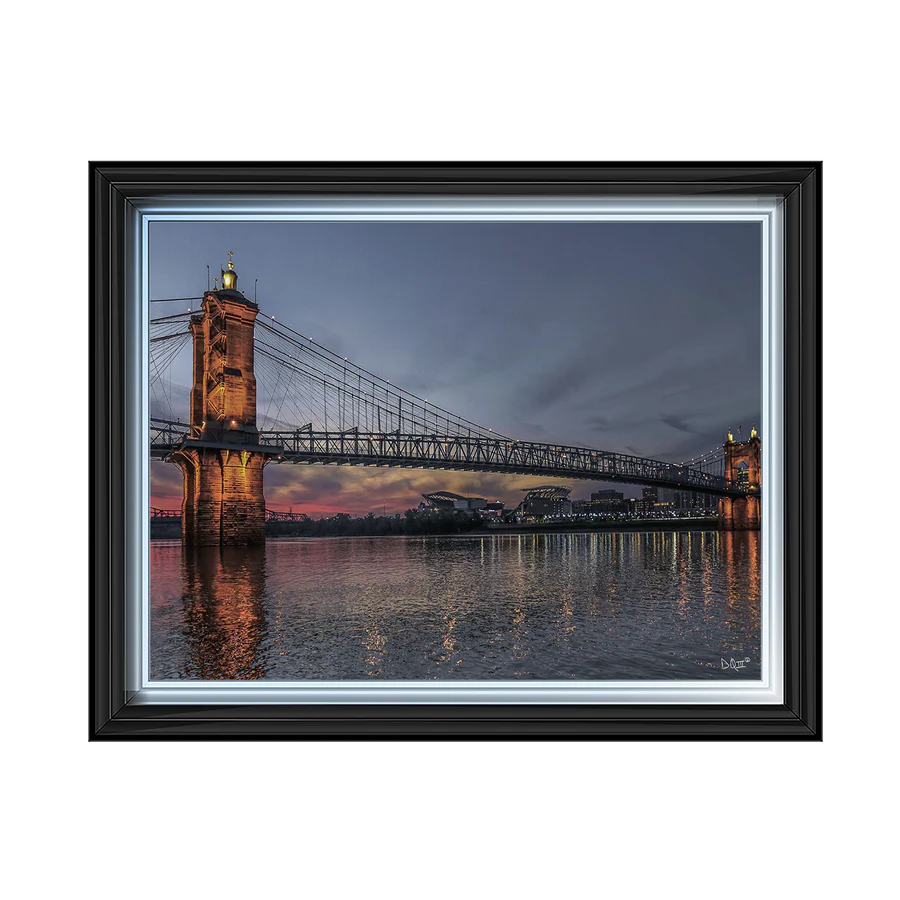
pixel 471 454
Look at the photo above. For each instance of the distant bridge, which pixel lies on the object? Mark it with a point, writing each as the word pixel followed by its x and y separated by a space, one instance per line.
pixel 165 515
pixel 272 515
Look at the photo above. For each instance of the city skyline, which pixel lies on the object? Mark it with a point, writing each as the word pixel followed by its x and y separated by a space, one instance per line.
pixel 638 337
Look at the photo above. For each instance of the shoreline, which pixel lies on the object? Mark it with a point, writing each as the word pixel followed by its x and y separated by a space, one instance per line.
pixel 710 524
pixel 698 524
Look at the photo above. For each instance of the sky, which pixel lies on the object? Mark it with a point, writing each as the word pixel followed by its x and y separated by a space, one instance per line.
pixel 638 337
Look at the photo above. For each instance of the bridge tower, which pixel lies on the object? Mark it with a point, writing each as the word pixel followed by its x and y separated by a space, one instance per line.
pixel 742 465
pixel 222 460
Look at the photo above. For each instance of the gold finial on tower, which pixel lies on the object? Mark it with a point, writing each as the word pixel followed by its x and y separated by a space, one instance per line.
pixel 753 432
pixel 730 436
pixel 229 276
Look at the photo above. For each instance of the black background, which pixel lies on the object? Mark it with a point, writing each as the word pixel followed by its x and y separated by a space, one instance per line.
pixel 859 431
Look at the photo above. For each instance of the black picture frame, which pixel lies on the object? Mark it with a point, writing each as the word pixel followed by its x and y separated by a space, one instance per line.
pixel 116 188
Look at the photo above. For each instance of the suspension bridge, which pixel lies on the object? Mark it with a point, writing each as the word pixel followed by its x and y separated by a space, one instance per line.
pixel 264 393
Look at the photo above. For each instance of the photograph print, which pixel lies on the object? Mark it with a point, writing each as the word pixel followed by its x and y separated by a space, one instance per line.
pixel 481 451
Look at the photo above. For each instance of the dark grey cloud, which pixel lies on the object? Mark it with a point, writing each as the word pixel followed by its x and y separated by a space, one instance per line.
pixel 421 384
pixel 557 384
pixel 535 429
pixel 324 483
pixel 679 424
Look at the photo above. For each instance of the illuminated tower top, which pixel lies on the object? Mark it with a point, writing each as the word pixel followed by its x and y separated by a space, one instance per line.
pixel 223 396
pixel 229 276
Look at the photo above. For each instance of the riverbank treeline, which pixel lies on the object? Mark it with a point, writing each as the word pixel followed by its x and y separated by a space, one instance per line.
pixel 412 522
pixel 345 525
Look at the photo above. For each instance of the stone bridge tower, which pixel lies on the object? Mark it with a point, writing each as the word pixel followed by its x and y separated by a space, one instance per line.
pixel 742 465
pixel 222 460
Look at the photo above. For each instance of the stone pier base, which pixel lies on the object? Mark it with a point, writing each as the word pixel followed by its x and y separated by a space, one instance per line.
pixel 739 514
pixel 223 495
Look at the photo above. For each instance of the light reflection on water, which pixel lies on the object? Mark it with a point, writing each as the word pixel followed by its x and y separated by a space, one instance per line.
pixel 657 605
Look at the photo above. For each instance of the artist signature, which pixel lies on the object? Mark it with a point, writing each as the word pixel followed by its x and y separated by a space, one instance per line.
pixel 734 663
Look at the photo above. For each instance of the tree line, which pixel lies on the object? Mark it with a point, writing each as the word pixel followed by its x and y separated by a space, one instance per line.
pixel 414 521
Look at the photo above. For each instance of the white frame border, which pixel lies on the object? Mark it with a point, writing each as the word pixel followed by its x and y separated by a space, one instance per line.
pixel 768 689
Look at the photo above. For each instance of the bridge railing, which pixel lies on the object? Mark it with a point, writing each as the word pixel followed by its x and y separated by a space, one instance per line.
pixel 166 435
pixel 484 454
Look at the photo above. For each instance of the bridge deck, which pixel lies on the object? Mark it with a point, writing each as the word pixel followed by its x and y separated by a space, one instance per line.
pixel 475 454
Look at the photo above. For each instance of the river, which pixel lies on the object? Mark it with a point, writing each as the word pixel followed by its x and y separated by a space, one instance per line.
pixel 584 606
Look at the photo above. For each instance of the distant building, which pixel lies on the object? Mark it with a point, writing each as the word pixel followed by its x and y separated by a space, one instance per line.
pixel 669 501
pixel 608 502
pixel 666 500
pixel 647 504
pixel 695 503
pixel 545 501
pixel 684 500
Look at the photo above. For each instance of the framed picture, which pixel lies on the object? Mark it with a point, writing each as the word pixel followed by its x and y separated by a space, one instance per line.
pixel 453 451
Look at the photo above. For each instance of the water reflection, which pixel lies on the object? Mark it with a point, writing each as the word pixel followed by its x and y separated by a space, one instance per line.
pixel 374 643
pixel 519 632
pixel 556 606
pixel 224 613
pixel 743 596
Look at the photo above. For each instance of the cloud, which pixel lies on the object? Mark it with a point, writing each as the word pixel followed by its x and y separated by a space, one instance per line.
pixel 326 490
pixel 678 423
pixel 166 486
pixel 563 382
pixel 530 431
pixel 423 385
pixel 704 437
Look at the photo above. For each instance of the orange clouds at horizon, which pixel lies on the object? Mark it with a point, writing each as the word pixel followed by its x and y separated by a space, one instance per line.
pixel 327 490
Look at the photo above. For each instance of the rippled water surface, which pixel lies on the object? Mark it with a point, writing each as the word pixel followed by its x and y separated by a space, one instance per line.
pixel 561 606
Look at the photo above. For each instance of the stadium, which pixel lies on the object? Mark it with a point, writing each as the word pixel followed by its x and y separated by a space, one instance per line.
pixel 448 500
pixel 544 501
